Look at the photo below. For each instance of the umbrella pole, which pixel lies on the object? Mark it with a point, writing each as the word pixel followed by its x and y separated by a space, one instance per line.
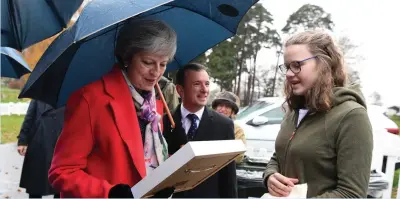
pixel 166 106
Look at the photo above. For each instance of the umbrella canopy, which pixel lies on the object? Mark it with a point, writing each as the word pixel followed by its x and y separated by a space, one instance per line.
pixel 12 63
pixel 85 52
pixel 26 22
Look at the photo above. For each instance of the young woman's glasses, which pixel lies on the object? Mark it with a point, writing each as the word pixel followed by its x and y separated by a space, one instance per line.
pixel 294 66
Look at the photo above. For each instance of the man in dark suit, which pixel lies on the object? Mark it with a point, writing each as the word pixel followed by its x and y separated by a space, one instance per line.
pixel 195 122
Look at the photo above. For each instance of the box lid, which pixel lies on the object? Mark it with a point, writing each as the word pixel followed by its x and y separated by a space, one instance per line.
pixel 188 167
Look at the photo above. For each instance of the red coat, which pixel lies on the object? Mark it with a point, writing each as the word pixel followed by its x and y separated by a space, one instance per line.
pixel 101 144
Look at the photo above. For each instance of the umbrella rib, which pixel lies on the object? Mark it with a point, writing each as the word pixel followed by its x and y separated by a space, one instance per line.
pixel 13 24
pixel 165 9
pixel 177 61
pixel 58 17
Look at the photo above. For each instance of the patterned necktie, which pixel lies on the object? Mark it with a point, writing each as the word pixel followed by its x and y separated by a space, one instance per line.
pixel 193 127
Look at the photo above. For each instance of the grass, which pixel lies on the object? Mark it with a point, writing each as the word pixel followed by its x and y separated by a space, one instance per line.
pixel 10 127
pixel 10 95
pixel 395 183
pixel 396 119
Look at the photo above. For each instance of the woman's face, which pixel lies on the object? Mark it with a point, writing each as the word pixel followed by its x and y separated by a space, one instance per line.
pixel 224 109
pixel 304 80
pixel 145 69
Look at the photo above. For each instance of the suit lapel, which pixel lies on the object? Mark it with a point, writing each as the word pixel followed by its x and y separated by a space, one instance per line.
pixel 178 122
pixel 125 117
pixel 47 108
pixel 177 136
pixel 204 125
pixel 43 107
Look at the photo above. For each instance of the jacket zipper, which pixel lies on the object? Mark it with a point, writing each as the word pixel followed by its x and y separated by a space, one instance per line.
pixel 294 132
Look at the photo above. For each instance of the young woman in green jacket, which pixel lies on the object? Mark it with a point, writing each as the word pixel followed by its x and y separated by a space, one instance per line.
pixel 325 139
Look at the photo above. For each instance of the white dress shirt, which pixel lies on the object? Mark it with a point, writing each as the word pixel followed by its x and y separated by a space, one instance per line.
pixel 186 121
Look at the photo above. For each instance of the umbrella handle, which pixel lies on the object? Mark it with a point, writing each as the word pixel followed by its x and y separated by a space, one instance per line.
pixel 165 105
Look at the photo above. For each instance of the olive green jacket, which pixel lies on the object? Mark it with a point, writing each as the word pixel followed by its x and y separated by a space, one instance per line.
pixel 330 151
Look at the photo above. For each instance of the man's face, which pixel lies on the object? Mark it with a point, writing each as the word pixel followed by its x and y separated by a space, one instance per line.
pixel 195 91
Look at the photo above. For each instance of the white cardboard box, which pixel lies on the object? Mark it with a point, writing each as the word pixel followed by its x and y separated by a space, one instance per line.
pixel 189 166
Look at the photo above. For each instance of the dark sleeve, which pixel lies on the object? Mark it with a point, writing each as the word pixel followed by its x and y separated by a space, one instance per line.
pixel 227 175
pixel 29 123
pixel 124 191
pixel 354 144
pixel 120 191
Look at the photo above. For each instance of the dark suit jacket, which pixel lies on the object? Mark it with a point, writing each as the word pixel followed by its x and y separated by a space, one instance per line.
pixel 213 126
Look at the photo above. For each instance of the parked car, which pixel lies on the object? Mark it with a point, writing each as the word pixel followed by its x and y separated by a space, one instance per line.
pixel 261 123
pixel 379 120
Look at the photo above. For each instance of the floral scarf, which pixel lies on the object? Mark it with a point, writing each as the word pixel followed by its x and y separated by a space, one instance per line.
pixel 155 146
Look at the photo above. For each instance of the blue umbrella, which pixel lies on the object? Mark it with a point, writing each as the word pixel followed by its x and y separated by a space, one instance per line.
pixel 12 63
pixel 26 22
pixel 85 52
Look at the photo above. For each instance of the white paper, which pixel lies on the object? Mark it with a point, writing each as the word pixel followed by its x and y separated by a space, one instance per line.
pixel 298 191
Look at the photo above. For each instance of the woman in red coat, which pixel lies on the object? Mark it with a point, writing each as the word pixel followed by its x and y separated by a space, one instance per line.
pixel 112 136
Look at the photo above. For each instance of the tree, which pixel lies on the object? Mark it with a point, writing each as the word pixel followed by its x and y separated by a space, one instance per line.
pixel 254 33
pixel 350 57
pixel 262 36
pixel 238 54
pixel 308 17
pixel 267 81
pixel 239 43
pixel 222 65
pixel 201 59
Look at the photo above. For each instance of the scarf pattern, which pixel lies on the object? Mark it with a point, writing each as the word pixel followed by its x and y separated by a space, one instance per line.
pixel 155 146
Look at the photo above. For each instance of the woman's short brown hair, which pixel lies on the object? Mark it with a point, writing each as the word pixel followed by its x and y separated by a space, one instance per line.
pixel 331 70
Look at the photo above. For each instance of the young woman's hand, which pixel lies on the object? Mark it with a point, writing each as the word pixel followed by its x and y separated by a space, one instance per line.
pixel 279 185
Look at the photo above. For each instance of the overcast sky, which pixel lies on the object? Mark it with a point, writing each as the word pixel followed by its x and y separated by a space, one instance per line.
pixel 369 24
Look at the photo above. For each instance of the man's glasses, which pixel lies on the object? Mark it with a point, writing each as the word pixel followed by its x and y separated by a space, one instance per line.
pixel 294 66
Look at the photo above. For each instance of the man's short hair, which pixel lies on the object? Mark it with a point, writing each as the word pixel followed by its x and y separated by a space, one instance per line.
pixel 180 75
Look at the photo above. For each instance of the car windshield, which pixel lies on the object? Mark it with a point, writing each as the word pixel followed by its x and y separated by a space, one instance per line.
pixel 254 107
pixel 275 116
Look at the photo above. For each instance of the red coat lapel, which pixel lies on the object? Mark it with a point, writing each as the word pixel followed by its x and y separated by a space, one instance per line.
pixel 125 117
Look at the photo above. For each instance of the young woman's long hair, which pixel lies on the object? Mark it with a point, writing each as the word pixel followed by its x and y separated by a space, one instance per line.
pixel 330 66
